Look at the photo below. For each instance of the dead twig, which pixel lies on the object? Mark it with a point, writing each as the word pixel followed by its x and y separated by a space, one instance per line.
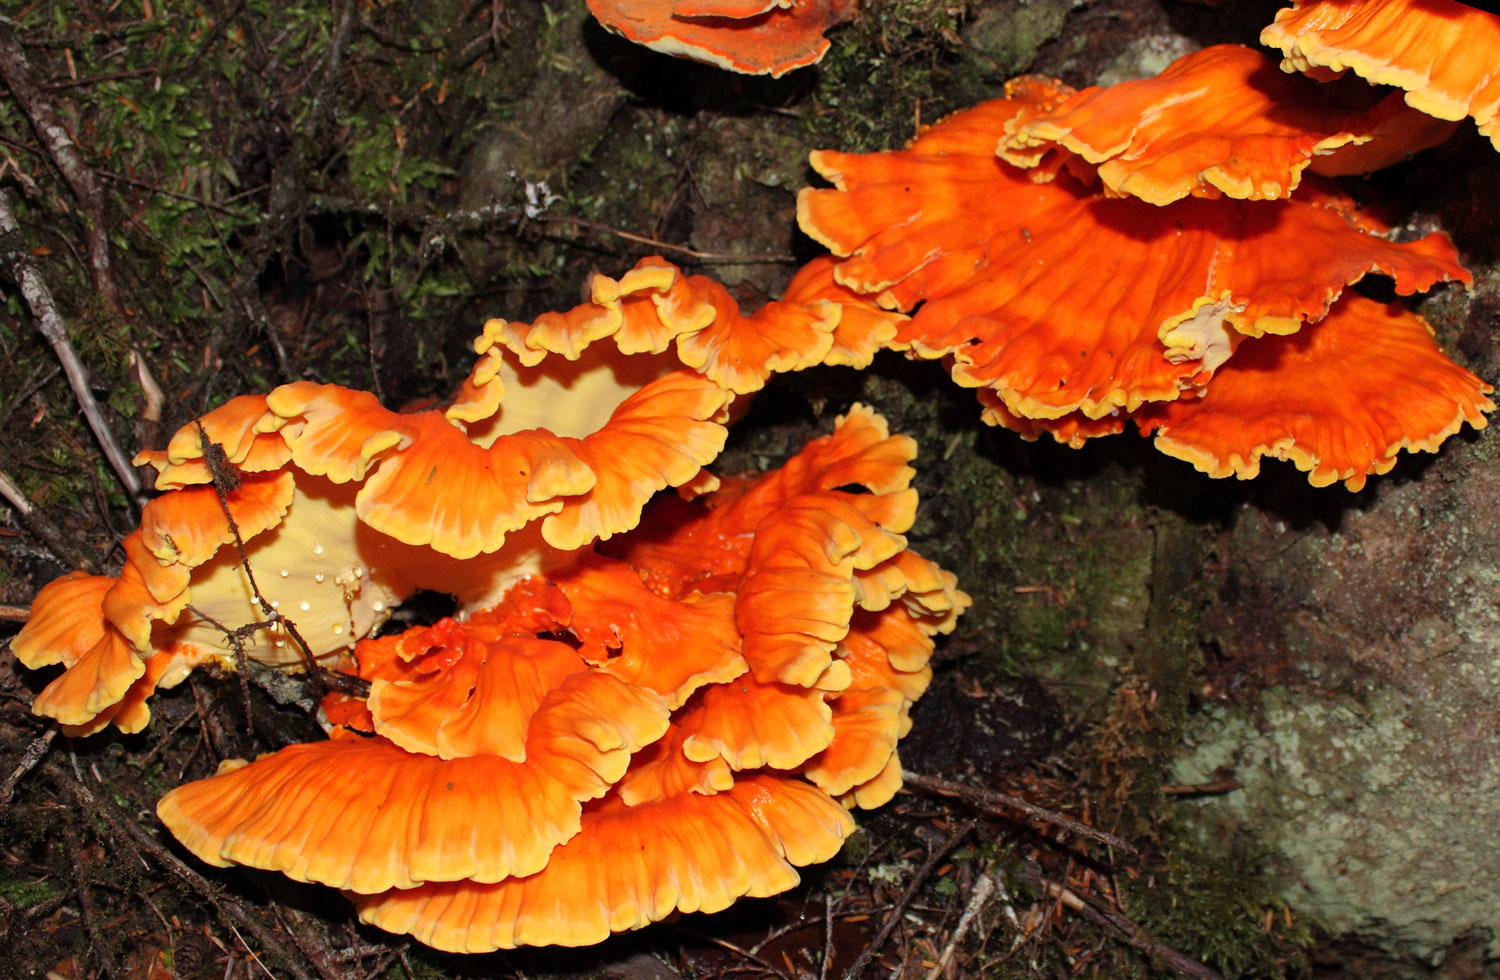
pixel 748 956
pixel 285 206
pixel 16 265
pixel 711 258
pixel 309 948
pixel 978 898
pixel 175 195
pixel 34 753
pixel 384 963
pixel 86 898
pixel 42 380
pixel 995 802
pixel 128 830
pixel 1214 787
pixel 934 855
pixel 226 479
pixel 145 761
pixel 1088 907
pixel 38 524
pixel 80 177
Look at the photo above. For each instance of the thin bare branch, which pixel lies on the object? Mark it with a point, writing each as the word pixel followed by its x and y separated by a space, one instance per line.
pixel 127 830
pixel 1132 934
pixel 996 802
pixel 80 177
pixel 34 753
pixel 86 899
pixel 934 855
pixel 711 258
pixel 984 888
pixel 38 523
pixel 16 265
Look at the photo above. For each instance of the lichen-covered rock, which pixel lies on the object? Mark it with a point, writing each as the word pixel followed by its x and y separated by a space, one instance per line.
pixel 1379 798
pixel 1380 810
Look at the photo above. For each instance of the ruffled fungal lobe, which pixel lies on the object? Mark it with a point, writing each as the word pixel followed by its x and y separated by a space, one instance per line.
pixel 1442 53
pixel 1339 399
pixel 1219 121
pixel 1060 300
pixel 752 37
pixel 596 751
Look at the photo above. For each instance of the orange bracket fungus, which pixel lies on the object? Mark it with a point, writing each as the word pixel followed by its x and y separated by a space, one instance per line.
pixel 1070 308
pixel 647 702
pixel 624 735
pixel 753 37
pixel 1219 121
pixel 642 705
pixel 1442 53
pixel 344 507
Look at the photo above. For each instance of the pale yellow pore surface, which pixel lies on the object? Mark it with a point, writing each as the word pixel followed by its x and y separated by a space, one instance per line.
pixel 335 579
pixel 569 398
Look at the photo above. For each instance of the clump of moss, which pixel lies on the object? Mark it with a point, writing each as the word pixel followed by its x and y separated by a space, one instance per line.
pixel 23 893
pixel 880 69
pixel 1220 903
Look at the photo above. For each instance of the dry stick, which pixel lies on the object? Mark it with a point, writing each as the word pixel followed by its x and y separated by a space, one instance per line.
pixel 88 80
pixel 307 947
pixel 933 857
pixel 236 638
pixel 127 828
pixel 86 898
pixel 37 383
pixel 384 964
pixel 176 195
pixel 777 933
pixel 225 479
pixel 284 206
pixel 16 265
pixel 14 614
pixel 759 961
pixel 37 523
pixel 33 754
pixel 1084 905
pixel 983 889
pixel 718 258
pixel 54 135
pixel 827 963
pixel 264 969
pixel 994 802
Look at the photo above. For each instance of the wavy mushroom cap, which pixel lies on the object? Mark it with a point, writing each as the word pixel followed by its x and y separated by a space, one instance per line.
pixel 183 591
pixel 345 507
pixel 1446 55
pixel 654 308
pixel 752 37
pixel 630 866
pixel 1060 300
pixel 1219 121
pixel 671 645
pixel 597 750
pixel 517 729
pixel 1339 399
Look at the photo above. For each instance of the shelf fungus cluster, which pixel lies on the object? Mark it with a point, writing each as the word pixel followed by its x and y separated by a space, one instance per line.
pixel 643 704
pixel 669 726
pixel 1156 252
pixel 752 37
pixel 1441 53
